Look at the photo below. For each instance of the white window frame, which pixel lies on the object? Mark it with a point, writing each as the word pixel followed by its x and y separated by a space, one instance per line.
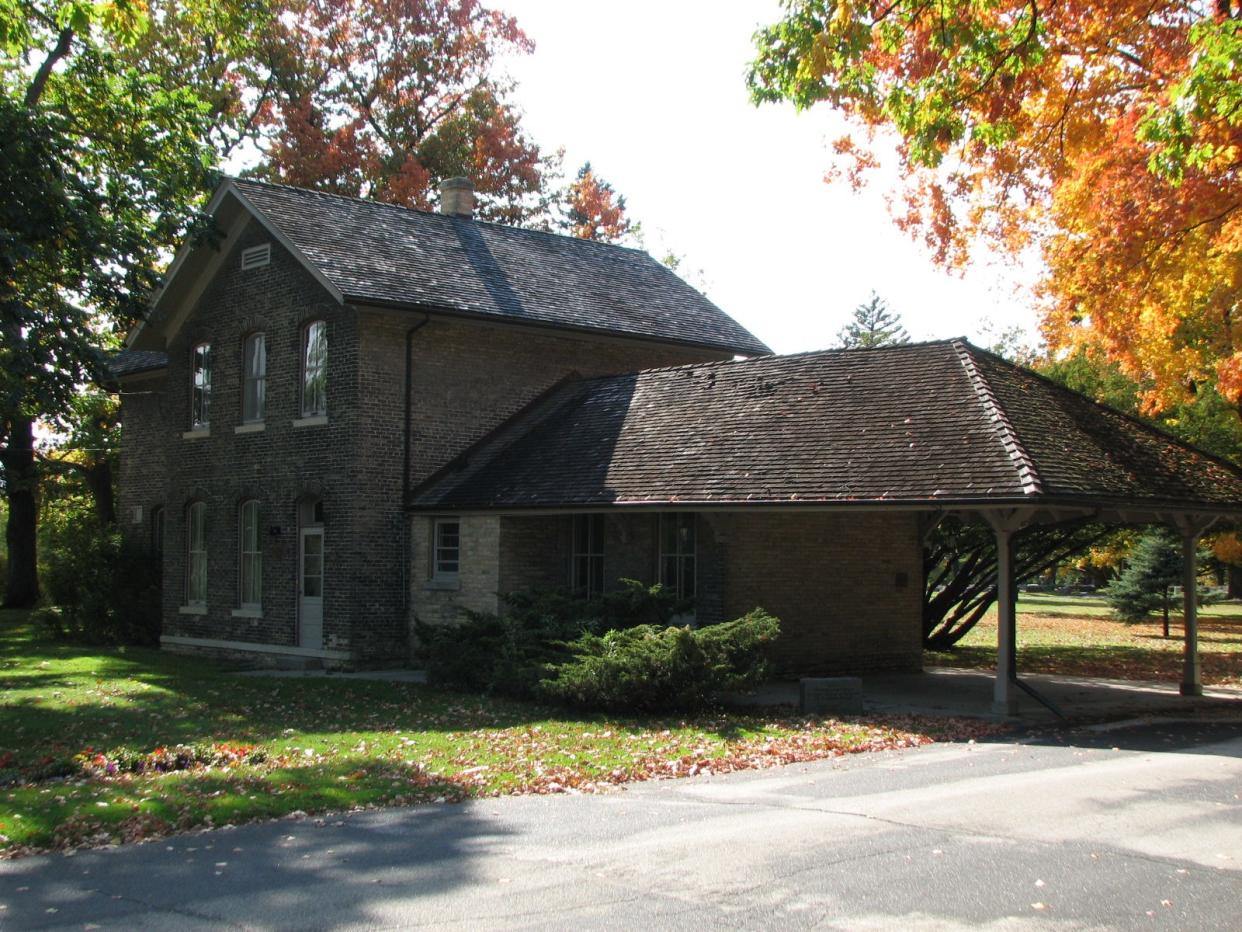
pixel 250 554
pixel 314 370
pixel 200 386
pixel 444 567
pixel 254 378
pixel 196 554
pixel 586 566
pixel 682 555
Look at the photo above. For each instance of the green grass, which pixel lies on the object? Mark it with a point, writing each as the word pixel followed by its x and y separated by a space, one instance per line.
pixel 328 743
pixel 1080 636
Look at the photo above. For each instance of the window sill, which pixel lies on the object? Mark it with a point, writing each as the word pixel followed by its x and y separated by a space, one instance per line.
pixel 196 434
pixel 192 610
pixel 313 421
pixel 247 612
pixel 443 585
pixel 251 427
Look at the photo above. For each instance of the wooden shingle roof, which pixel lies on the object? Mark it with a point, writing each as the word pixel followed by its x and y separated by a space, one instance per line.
pixel 394 256
pixel 932 423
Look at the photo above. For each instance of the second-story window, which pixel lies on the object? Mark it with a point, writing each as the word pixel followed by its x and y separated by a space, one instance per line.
pixel 315 369
pixel 200 385
pixel 254 378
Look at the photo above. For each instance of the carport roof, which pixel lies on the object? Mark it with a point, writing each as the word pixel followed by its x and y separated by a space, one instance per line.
pixel 938 424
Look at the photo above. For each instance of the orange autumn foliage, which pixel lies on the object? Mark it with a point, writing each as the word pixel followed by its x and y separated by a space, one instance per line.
pixel 1104 136
pixel 386 98
pixel 595 210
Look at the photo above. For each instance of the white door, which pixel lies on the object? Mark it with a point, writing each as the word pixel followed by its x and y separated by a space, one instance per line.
pixel 310 588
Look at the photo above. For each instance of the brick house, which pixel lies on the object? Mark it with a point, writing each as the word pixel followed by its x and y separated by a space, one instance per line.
pixel 295 380
pixel 346 415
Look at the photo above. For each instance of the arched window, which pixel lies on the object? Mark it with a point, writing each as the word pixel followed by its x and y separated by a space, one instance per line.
pixel 196 553
pixel 254 378
pixel 315 369
pixel 249 547
pixel 200 386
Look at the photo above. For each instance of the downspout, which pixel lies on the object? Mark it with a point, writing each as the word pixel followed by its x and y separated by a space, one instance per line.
pixel 408 456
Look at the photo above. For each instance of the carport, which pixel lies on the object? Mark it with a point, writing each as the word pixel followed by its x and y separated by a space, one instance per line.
pixel 913 433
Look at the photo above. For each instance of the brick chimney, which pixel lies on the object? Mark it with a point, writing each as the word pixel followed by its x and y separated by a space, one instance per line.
pixel 457 197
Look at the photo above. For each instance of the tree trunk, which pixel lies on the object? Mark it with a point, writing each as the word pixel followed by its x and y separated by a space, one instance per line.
pixel 1166 611
pixel 1235 581
pixel 21 481
pixel 99 481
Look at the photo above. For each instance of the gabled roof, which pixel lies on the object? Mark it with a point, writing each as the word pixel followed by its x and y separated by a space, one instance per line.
pixel 367 252
pixel 932 424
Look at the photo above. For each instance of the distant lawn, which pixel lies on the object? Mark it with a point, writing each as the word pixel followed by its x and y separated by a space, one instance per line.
pixel 1078 635
pixel 68 714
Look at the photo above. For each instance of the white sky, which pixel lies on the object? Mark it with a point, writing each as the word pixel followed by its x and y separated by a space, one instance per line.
pixel 653 94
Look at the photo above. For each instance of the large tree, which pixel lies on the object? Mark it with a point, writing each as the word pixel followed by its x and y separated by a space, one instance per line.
pixel 386 98
pixel 1106 135
pixel 107 148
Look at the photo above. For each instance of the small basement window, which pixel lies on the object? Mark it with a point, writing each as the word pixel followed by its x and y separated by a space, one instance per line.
pixel 256 257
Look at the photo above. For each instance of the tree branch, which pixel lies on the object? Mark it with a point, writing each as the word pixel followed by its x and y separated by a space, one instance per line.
pixel 35 91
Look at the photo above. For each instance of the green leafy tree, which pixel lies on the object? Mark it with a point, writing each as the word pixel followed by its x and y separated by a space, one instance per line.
pixel 107 150
pixel 1154 567
pixel 873 325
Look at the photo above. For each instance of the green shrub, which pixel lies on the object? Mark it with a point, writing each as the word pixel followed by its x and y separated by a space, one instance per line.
pixel 511 652
pixel 104 589
pixel 652 669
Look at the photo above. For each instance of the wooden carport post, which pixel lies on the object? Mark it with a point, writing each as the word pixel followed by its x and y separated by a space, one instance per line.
pixel 1006 523
pixel 1191 530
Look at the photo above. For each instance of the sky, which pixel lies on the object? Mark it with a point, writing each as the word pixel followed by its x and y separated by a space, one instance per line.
pixel 653 94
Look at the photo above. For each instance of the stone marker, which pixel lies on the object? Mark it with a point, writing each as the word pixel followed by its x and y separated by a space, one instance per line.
pixel 830 694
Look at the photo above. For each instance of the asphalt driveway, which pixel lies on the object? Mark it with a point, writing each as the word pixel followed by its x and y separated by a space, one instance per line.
pixel 1138 827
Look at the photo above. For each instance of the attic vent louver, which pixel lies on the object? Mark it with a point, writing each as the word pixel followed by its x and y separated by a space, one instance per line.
pixel 256 257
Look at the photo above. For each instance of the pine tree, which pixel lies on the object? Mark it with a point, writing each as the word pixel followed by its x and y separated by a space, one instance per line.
pixel 873 325
pixel 1154 567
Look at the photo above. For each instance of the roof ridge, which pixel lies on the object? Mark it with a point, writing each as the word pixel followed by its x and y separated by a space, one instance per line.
pixel 1028 475
pixel 435 213
pixel 769 357
pixel 1151 427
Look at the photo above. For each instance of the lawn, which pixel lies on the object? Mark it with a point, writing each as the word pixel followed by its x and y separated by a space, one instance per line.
pixel 1079 635
pixel 76 722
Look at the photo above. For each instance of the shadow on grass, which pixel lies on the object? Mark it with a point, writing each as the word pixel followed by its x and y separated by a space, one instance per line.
pixel 108 698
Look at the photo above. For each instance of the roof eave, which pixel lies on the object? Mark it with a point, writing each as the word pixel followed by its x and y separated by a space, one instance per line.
pixel 466 314
pixel 1088 504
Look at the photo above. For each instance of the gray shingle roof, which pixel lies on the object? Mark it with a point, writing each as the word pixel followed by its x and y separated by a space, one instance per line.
pixel 937 422
pixel 393 255
pixel 132 362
